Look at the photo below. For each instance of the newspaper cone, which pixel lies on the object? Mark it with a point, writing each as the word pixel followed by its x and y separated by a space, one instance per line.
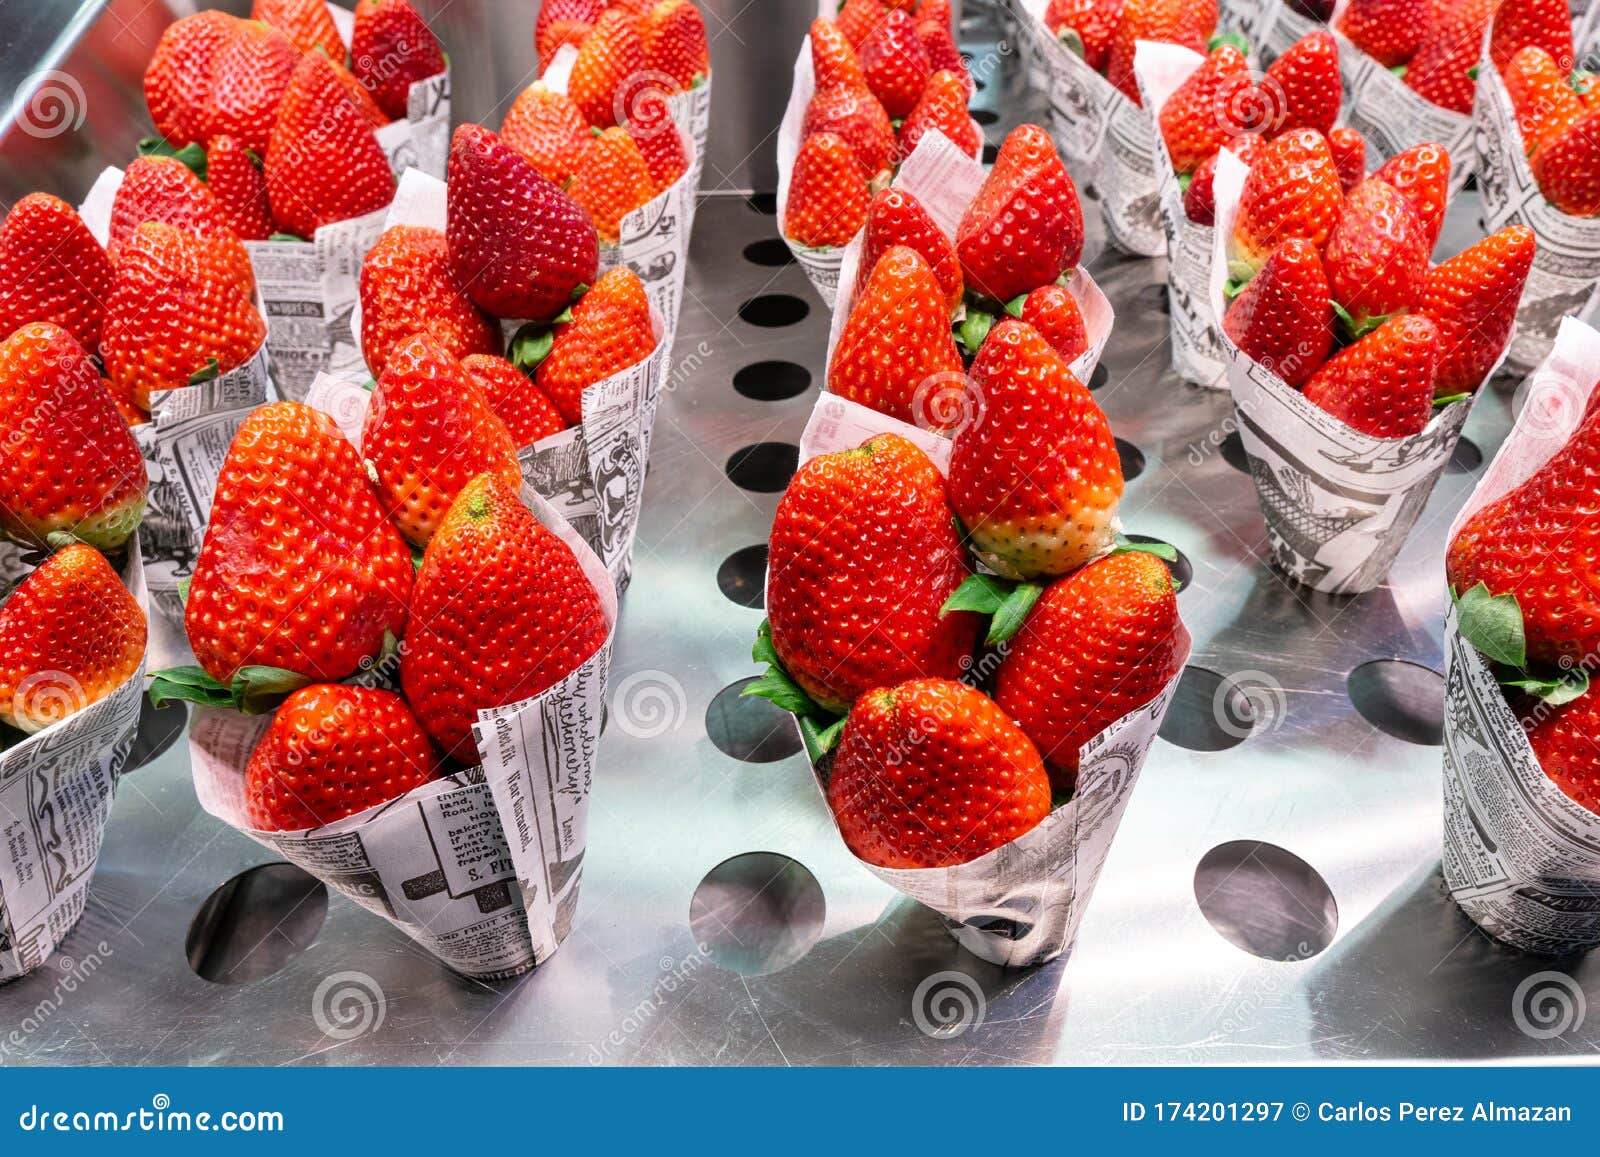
pixel 1338 504
pixel 1275 26
pixel 56 788
pixel 1520 856
pixel 480 868
pixel 1105 134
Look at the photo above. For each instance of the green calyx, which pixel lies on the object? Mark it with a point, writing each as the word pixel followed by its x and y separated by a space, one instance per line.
pixel 212 371
pixel 254 691
pixel 1494 625
pixel 1006 603
pixel 819 728
pixel 1224 38
pixel 1354 329
pixel 1072 42
pixel 193 155
pixel 972 330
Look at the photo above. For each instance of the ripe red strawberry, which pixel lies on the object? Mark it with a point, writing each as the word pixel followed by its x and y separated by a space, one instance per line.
pixel 1376 257
pixel 390 50
pixel 857 19
pixel 610 330
pixel 86 477
pixel 895 217
pixel 407 287
pixel 609 61
pixel 1284 317
pixel 548 129
pixel 359 96
pixel 1545 24
pixel 1087 27
pixel 1567 167
pixel 171 317
pixel 299 568
pixel 1473 298
pixel 943 55
pixel 833 58
pixel 240 189
pixel 502 611
pixel 895 64
pixel 658 139
pixel 944 107
pixel 518 244
pixel 324 165
pixel 250 74
pixel 1349 149
pixel 930 773
pixel 1421 174
pixel 428 432
pixel 1054 312
pixel 1389 31
pixel 1099 643
pixel 528 414
pixel 1383 384
pixel 1541 96
pixel 1308 77
pixel 1034 472
pixel 178 78
pixel 1292 191
pixel 611 181
pixel 1563 742
pixel 70 635
pixel 863 554
pixel 52 269
pixel 333 751
pixel 1024 229
pixel 855 115
pixel 1207 110
pixel 1199 198
pixel 563 22
pixel 1441 71
pixel 1169 21
pixel 164 189
pixel 896 345
pixel 674 36
pixel 828 194
pixel 307 24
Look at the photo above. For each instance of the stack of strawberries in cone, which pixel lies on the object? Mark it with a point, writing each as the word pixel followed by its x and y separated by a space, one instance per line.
pixel 1432 44
pixel 1557 106
pixel 884 76
pixel 1104 32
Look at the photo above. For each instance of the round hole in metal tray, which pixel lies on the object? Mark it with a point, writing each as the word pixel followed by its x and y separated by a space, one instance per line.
pixel 1233 453
pixel 772 381
pixel 1100 377
pixel 990 152
pixel 1132 460
pixel 985 116
pixel 750 728
pixel 764 203
pixel 1400 698
pixel 255 924
pixel 773 310
pixel 1465 458
pixel 158 728
pixel 1182 569
pixel 1213 712
pixel 764 467
pixel 771 252
pixel 758 912
pixel 1266 900
pixel 1160 297
pixel 743 576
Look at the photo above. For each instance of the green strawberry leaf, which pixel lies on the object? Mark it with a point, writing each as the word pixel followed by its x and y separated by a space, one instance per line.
pixel 1014 306
pixel 974 328
pixel 1185 180
pixel 190 684
pixel 1449 399
pixel 577 292
pixel 60 539
pixel 1354 329
pixel 258 690
pixel 697 80
pixel 1399 71
pixel 193 155
pixel 1232 38
pixel 183 588
pixel 1073 42
pixel 1166 552
pixel 416 559
pixel 212 371
pixel 780 690
pixel 819 737
pixel 1473 71
pixel 983 594
pixel 1493 624
pixel 287 237
pixel 1008 619
pixel 530 345
pixel 819 729
pixel 1553 689
pixel 255 158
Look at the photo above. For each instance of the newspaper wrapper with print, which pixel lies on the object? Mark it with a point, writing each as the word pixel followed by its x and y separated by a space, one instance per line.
pixel 1338 504
pixel 1020 904
pixel 481 867
pixel 820 265
pixel 1105 135
pixel 1275 26
pixel 184 445
pixel 56 788
pixel 1521 857
pixel 1565 278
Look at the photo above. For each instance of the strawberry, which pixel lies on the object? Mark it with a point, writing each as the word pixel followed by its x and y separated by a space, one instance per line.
pixel 1199 199
pixel 611 181
pixel 178 78
pixel 1024 229
pixel 943 106
pixel 828 195
pixel 502 612
pixel 943 55
pixel 306 23
pixel 1389 31
pixel 86 477
pixel 1099 643
pixel 1284 316
pixel 833 59
pixel 1087 27
pixel 610 330
pixel 1442 70
pixel 1567 167
pixel 171 318
pixel 1307 76
pixel 528 414
pixel 1519 24
pixel 519 245
pixel 563 22
pixel 609 60
pixel 1562 739
pixel 299 568
pixel 70 635
pixel 1349 149
pixel 428 432
pixel 857 19
pixel 1292 190
pixel 52 269
pixel 863 554
pixel 164 189
pixel 548 129
pixel 855 115
pixel 1205 112
pixel 359 96
pixel 1383 384
pixel 1169 21
pixel 235 180
pixel 1034 473
pixel 250 74
pixel 896 344
pixel 658 139
pixel 1543 100
pixel 332 751
pixel 895 64
pixel 1473 298
pixel 1421 174
pixel 675 44
pixel 324 165
pixel 1054 312
pixel 1376 257
pixel 930 774
pixel 392 49
pixel 895 217
pixel 407 287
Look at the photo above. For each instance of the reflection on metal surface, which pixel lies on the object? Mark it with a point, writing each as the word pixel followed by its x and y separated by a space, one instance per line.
pixel 772 381
pixel 765 467
pixel 255 924
pixel 742 576
pixel 757 913
pixel 1400 698
pixel 1266 900
pixel 750 728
